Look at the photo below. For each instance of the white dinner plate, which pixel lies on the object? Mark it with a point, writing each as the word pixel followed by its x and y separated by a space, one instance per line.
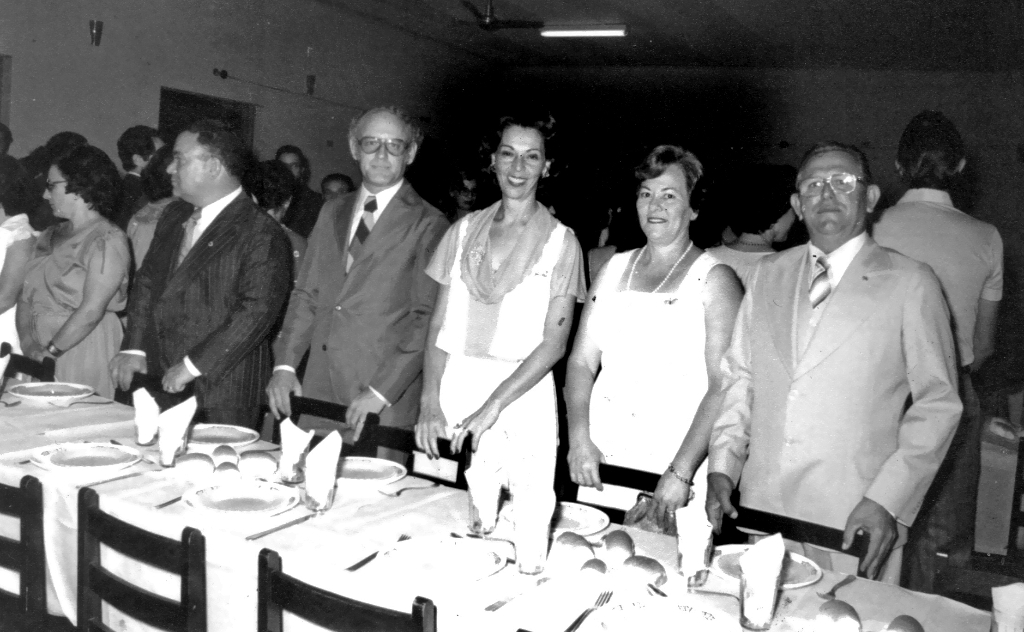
pixel 461 559
pixel 85 457
pixel 59 393
pixel 243 498
pixel 575 517
pixel 207 437
pixel 366 469
pixel 797 570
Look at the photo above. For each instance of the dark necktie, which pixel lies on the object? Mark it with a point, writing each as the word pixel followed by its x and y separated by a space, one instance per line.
pixel 190 231
pixel 821 287
pixel 362 231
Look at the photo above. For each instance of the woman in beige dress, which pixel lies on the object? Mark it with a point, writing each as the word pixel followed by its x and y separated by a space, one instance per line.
pixel 77 279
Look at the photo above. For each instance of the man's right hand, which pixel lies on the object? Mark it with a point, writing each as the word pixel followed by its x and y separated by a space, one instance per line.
pixel 279 392
pixel 584 457
pixel 123 368
pixel 719 500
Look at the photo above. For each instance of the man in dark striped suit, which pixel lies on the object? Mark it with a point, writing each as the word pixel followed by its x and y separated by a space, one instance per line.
pixel 212 285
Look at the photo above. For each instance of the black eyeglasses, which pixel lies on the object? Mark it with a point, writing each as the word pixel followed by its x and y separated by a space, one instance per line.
pixel 394 146
pixel 843 183
pixel 50 186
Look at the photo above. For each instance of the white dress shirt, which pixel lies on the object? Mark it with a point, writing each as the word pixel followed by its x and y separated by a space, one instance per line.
pixel 206 216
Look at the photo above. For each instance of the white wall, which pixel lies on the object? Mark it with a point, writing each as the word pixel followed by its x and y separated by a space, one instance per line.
pixel 60 82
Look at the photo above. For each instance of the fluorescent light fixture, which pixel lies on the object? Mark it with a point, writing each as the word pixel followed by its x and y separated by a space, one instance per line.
pixel 605 30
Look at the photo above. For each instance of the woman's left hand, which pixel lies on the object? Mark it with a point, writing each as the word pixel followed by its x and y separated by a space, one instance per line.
pixel 477 423
pixel 671 494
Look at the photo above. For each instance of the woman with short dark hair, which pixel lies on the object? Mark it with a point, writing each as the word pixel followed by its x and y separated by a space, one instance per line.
pixel 77 279
pixel 643 381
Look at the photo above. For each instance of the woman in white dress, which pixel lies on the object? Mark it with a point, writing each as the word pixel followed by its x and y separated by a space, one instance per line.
pixel 642 384
pixel 16 242
pixel 510 277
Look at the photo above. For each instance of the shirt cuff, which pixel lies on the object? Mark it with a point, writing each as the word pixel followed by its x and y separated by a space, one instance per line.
pixel 191 367
pixel 284 367
pixel 134 352
pixel 379 396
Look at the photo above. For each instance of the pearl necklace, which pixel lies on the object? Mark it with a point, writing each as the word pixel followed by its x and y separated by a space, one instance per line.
pixel 629 281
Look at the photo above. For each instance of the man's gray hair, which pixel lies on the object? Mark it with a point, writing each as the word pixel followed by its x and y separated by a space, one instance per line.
pixel 415 133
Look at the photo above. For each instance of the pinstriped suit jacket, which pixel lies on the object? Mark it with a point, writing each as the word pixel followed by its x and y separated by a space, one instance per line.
pixel 218 307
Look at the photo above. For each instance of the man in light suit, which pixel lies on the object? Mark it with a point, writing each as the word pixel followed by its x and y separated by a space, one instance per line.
pixel 831 340
pixel 212 285
pixel 362 303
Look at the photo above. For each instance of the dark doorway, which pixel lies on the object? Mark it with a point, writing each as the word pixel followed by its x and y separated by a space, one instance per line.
pixel 179 109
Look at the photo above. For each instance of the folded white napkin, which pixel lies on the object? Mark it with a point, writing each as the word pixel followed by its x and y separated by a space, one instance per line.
pixel 764 558
pixel 1008 607
pixel 171 427
pixel 322 469
pixel 293 444
pixel 146 416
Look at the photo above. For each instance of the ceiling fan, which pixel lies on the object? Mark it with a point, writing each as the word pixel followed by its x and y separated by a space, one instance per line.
pixel 489 22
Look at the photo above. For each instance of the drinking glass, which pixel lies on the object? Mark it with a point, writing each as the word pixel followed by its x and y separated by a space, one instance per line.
pixel 311 503
pixel 757 600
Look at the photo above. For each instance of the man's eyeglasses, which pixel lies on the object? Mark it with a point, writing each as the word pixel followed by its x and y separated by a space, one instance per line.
pixel 394 146
pixel 843 183
pixel 50 186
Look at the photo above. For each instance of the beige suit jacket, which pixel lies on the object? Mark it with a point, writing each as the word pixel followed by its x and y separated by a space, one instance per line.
pixel 808 435
pixel 366 327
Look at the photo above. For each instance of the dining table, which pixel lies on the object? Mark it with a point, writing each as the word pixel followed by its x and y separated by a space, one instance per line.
pixel 491 595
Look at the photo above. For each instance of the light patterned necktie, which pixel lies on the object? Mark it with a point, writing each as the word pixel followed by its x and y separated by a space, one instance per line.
pixel 821 287
pixel 362 231
pixel 188 237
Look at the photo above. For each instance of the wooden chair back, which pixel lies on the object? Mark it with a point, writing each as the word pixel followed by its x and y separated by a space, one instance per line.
pixel 622 477
pixel 43 371
pixel 278 592
pixel 186 558
pixel 801 531
pixel 26 555
pixel 376 436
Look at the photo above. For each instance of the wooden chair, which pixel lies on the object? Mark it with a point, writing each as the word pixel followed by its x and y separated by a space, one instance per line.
pixel 26 555
pixel 278 592
pixel 621 477
pixel 42 371
pixel 376 436
pixel 186 558
pixel 800 531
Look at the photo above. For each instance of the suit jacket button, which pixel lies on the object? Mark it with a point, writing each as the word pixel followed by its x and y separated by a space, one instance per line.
pixel 337 308
pixel 325 347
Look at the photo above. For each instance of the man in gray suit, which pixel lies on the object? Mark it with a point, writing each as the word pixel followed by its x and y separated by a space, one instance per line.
pixel 362 302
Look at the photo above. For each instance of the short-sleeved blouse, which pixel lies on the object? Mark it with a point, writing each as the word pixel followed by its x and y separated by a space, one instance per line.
pixel 484 328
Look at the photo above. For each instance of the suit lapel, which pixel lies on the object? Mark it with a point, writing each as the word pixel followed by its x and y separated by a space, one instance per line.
pixel 216 235
pixel 391 219
pixel 852 303
pixel 346 210
pixel 782 305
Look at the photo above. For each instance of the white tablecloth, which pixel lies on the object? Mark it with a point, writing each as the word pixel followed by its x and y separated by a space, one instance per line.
pixel 364 521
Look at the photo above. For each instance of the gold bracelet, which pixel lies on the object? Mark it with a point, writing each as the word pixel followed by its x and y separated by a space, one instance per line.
pixel 682 479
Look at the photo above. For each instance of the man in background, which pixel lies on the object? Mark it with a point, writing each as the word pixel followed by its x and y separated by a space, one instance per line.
pixel 135 148
pixel 306 203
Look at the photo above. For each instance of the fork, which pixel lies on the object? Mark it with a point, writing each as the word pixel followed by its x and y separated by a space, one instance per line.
pixel 398 492
pixel 830 595
pixel 602 599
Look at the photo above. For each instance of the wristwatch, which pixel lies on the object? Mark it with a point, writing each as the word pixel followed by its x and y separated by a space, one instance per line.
pixel 53 350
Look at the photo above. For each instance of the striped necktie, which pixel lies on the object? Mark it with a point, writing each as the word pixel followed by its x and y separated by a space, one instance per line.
pixel 355 248
pixel 189 237
pixel 821 287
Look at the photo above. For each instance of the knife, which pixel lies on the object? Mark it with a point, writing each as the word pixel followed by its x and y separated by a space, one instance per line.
pixel 290 523
pixel 502 602
pixel 372 556
pixel 117 478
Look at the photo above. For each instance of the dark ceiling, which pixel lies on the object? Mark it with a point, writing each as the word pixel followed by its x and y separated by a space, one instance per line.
pixel 953 35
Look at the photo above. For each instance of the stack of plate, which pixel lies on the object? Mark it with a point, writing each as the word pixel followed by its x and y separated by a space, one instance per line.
pixel 57 393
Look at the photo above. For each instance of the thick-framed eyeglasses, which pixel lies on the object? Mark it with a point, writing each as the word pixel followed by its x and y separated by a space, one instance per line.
pixel 843 183
pixel 50 186
pixel 394 146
